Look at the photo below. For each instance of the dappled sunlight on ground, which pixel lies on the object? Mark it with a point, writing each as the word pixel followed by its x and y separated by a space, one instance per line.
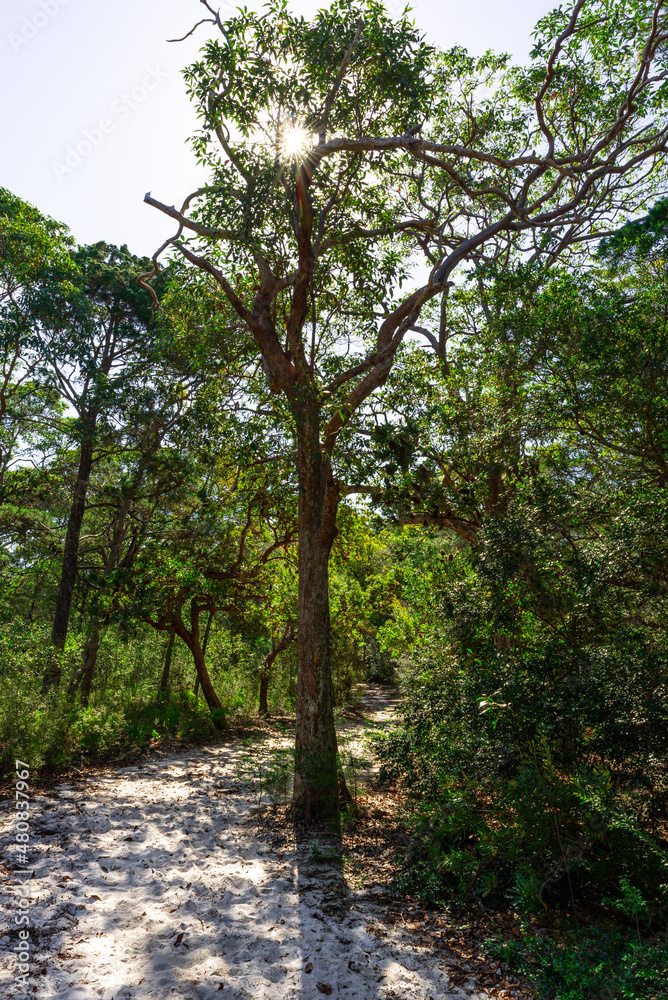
pixel 149 882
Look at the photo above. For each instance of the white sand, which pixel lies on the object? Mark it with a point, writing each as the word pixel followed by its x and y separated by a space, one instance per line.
pixel 192 903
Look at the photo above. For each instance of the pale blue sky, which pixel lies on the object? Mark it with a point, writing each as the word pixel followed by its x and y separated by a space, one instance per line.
pixel 101 76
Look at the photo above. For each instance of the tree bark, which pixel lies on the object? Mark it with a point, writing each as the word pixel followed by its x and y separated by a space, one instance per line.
pixel 265 673
pixel 68 573
pixel 191 639
pixel 205 643
pixel 316 791
pixel 263 708
pixel 90 659
pixel 164 680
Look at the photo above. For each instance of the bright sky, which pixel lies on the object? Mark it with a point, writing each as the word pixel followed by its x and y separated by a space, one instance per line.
pixel 102 77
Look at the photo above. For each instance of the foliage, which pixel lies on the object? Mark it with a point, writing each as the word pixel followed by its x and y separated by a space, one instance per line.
pixel 599 963
pixel 259 484
pixel 534 746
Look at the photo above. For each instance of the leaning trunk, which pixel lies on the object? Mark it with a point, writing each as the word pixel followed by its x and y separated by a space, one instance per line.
pixel 316 793
pixel 191 640
pixel 210 696
pixel 68 573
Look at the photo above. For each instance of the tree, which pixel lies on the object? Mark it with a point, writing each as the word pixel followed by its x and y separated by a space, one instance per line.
pixel 309 241
pixel 209 548
pixel 131 487
pixel 95 355
pixel 36 266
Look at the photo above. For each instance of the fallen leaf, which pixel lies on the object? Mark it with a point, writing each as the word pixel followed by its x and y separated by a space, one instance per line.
pixel 324 988
pixel 103 868
pixel 99 898
pixel 308 967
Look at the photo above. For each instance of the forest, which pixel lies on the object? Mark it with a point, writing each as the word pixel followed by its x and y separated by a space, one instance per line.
pixel 389 406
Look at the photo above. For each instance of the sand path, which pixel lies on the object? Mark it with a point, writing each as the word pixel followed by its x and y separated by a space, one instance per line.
pixel 151 881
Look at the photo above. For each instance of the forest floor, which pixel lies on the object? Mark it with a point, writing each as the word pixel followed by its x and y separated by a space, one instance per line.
pixel 170 877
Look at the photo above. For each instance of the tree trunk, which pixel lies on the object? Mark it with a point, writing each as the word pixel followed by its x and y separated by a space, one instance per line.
pixel 68 573
pixel 164 680
pixel 191 640
pixel 316 792
pixel 90 658
pixel 204 645
pixel 86 668
pixel 265 673
pixel 264 689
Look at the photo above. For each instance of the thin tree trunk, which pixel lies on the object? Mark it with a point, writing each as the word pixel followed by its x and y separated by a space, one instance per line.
pixel 35 593
pixel 68 574
pixel 316 791
pixel 90 658
pixel 86 668
pixel 204 645
pixel 191 640
pixel 265 673
pixel 89 655
pixel 264 690
pixel 164 680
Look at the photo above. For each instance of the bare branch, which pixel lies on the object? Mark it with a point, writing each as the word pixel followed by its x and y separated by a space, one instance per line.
pixel 205 20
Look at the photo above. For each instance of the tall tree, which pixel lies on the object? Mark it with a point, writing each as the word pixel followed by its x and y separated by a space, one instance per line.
pixel 95 356
pixel 339 148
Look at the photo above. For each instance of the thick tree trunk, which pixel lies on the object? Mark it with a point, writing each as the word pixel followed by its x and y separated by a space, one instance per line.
pixel 316 791
pixel 164 680
pixel 68 573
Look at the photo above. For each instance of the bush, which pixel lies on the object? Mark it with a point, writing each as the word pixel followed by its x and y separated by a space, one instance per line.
pixel 535 738
pixel 597 964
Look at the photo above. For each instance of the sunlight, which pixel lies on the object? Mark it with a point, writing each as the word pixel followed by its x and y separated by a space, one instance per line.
pixel 295 141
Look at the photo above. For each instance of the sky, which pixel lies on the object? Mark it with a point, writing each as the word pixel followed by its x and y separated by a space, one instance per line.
pixel 95 113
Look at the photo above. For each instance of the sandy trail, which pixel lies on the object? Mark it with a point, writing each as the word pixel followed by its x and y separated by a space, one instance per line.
pixel 150 882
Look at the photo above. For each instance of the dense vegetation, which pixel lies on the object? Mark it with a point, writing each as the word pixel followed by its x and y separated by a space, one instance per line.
pixel 486 508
